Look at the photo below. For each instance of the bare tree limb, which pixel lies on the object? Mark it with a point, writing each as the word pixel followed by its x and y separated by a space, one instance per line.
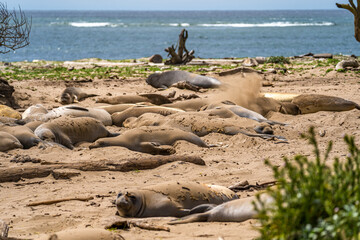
pixel 182 56
pixel 15 29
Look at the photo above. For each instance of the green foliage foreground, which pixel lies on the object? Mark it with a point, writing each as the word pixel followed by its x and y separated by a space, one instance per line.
pixel 314 200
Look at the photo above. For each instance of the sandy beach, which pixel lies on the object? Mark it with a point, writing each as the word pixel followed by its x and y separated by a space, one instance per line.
pixel 236 159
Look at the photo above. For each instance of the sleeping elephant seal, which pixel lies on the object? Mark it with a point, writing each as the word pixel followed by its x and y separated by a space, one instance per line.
pixel 6 111
pixel 69 131
pixel 24 134
pixel 8 142
pixel 311 103
pixel 167 79
pixel 36 113
pixel 238 210
pixel 148 139
pixel 152 98
pixel 167 199
pixel 189 105
pixel 73 95
pixel 136 111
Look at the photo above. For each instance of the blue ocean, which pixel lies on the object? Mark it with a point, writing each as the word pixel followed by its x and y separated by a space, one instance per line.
pixel 72 35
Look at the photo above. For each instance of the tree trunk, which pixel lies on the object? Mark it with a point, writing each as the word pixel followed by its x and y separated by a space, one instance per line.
pixel 182 56
pixel 355 10
pixel 6 91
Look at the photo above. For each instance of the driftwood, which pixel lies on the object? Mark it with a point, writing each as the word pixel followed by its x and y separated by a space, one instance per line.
pixel 121 223
pixel 126 165
pixel 49 202
pixel 4 229
pixel 182 56
pixel 242 186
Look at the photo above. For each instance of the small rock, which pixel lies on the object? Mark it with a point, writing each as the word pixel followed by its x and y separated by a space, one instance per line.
pixel 260 60
pixel 250 62
pixel 323 55
pixel 347 63
pixel 156 58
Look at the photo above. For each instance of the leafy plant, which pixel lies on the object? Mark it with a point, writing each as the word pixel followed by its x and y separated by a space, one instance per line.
pixel 278 60
pixel 314 200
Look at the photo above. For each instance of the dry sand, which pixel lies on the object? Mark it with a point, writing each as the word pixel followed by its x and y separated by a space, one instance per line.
pixel 238 159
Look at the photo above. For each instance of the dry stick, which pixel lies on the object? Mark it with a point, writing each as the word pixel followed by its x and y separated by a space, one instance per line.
pixel 248 186
pixel 148 226
pixel 126 165
pixel 49 202
pixel 4 229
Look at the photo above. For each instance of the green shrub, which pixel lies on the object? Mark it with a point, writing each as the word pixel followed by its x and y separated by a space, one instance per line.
pixel 278 60
pixel 313 200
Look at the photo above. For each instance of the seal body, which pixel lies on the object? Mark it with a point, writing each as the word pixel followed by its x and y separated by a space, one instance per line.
pixel 83 234
pixel 311 103
pixel 34 112
pixel 152 98
pixel 149 140
pixel 166 79
pixel 170 199
pixel 24 134
pixel 238 210
pixel 69 131
pixel 188 105
pixel 136 111
pixel 73 111
pixel 73 94
pixel 8 142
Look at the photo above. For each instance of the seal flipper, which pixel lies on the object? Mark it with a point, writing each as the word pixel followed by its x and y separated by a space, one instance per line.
pixel 202 208
pixel 198 217
pixel 155 148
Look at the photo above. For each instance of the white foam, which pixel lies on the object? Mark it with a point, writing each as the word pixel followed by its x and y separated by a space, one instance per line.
pixel 270 24
pixel 90 24
pixel 179 24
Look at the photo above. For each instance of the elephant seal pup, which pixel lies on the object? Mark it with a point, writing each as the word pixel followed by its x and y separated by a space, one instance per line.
pixel 136 111
pixel 74 95
pixel 152 98
pixel 148 139
pixel 34 112
pixel 166 79
pixel 6 111
pixel 69 131
pixel 241 112
pixel 238 210
pixel 311 103
pixel 72 111
pixel 8 142
pixel 189 105
pixel 170 199
pixel 24 134
pixel 121 107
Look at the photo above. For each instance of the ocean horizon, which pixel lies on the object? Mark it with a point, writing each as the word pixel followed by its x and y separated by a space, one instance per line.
pixel 115 35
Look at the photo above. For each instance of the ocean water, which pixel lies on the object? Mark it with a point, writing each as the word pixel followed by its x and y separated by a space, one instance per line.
pixel 71 35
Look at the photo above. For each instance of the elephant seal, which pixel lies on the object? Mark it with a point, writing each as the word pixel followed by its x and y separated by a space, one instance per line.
pixel 8 142
pixel 189 105
pixel 83 234
pixel 24 134
pixel 149 140
pixel 73 95
pixel 6 111
pixel 34 112
pixel 136 111
pixel 121 107
pixel 69 131
pixel 73 111
pixel 33 125
pixel 238 210
pixel 170 199
pixel 282 97
pixel 241 112
pixel 264 105
pixel 152 98
pixel 167 79
pixel 311 103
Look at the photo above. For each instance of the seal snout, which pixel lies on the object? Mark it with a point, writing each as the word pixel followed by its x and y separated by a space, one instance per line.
pixel 124 203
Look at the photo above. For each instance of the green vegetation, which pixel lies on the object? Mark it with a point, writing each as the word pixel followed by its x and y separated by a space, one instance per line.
pixel 41 70
pixel 278 60
pixel 313 200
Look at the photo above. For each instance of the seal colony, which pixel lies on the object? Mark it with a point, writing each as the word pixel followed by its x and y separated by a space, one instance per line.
pixel 130 120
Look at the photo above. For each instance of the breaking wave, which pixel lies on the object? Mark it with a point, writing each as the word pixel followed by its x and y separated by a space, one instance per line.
pixel 270 24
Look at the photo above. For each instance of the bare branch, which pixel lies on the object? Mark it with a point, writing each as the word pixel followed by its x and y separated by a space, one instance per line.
pixel 347 7
pixel 15 29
